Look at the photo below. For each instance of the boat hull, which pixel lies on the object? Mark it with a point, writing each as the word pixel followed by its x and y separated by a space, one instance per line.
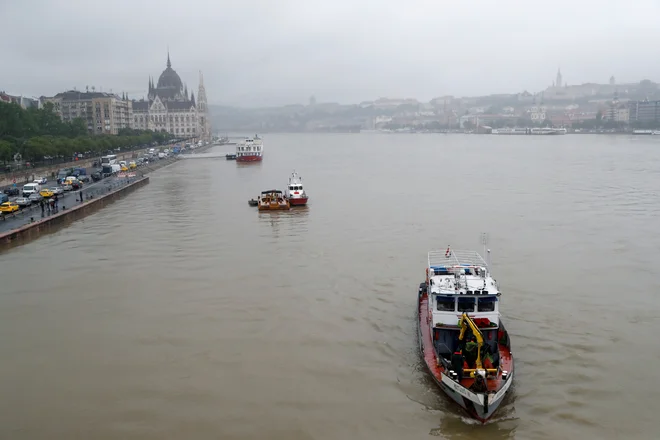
pixel 479 406
pixel 274 207
pixel 250 158
pixel 299 201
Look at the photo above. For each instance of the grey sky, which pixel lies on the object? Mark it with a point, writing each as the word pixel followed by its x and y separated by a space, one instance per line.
pixel 272 52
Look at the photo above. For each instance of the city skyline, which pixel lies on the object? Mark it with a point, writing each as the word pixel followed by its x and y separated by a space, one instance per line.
pixel 256 53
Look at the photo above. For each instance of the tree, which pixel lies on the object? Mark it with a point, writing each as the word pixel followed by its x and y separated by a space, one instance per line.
pixel 35 133
pixel 6 151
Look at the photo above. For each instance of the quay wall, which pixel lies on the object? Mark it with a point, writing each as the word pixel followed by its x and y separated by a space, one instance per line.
pixel 63 218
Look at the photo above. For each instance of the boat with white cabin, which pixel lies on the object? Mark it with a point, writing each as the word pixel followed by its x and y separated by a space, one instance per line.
pixel 462 337
pixel 294 192
pixel 250 150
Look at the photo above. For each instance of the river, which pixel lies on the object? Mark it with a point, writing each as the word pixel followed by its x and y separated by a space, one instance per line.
pixel 181 312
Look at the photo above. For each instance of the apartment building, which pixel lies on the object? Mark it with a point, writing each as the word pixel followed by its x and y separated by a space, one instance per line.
pixel 644 111
pixel 103 113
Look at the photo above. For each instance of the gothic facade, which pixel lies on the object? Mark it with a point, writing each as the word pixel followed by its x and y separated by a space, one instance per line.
pixel 169 107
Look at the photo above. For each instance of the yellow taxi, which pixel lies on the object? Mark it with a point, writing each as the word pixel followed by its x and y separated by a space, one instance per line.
pixel 46 193
pixel 132 165
pixel 9 207
pixel 123 168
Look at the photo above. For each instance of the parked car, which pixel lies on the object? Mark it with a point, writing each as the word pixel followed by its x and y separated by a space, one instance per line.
pixel 23 202
pixel 96 176
pixel 57 190
pixel 12 191
pixel 83 178
pixel 8 207
pixel 66 187
pixel 35 197
pixel 76 184
pixel 40 180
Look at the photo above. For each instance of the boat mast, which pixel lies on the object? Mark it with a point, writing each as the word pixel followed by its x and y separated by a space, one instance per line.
pixel 484 242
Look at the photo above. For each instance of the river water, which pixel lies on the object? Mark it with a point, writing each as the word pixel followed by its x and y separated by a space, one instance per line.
pixel 179 312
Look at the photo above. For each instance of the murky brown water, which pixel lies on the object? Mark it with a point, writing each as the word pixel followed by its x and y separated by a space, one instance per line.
pixel 181 313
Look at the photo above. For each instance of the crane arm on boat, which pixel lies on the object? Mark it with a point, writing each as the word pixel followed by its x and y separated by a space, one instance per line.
pixel 466 322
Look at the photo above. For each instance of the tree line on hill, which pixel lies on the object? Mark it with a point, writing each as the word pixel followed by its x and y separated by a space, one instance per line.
pixel 39 134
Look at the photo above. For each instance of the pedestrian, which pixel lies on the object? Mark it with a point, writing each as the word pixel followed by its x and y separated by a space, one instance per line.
pixel 81 196
pixel 41 202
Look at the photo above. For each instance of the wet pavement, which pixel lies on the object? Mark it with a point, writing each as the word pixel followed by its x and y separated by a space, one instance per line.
pixel 72 198
pixel 68 200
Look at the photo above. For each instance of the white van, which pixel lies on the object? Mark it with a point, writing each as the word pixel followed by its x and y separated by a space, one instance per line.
pixel 31 188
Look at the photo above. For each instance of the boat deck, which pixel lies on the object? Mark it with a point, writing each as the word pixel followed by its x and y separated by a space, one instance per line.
pixel 494 384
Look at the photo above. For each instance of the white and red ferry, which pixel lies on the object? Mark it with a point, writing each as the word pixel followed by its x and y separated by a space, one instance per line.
pixel 250 150
pixel 463 340
pixel 295 192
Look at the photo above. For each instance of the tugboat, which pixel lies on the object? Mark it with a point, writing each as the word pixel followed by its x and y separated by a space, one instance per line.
pixel 294 192
pixel 273 200
pixel 462 338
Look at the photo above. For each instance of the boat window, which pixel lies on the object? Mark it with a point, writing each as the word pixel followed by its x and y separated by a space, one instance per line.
pixel 292 188
pixel 486 304
pixel 444 303
pixel 466 304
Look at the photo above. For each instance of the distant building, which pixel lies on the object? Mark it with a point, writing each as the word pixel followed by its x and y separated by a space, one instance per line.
pixel 103 113
pixel 537 113
pixel 23 101
pixel 169 107
pixel 559 81
pixel 644 111
pixel 616 111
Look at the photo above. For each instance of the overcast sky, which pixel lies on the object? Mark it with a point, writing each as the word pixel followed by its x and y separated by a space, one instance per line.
pixel 273 52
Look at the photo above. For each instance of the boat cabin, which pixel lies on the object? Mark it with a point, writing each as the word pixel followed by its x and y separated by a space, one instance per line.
pixel 249 147
pixel 460 282
pixel 295 184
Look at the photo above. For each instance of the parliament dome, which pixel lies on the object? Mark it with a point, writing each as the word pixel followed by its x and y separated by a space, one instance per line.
pixel 169 79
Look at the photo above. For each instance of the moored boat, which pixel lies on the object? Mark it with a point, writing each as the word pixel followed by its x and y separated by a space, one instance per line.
pixel 273 200
pixel 250 150
pixel 462 337
pixel 294 192
pixel 253 202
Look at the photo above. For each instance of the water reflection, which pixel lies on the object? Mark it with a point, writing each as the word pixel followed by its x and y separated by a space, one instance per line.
pixel 294 221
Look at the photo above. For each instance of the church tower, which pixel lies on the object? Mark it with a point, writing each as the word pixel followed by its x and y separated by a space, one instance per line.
pixel 203 111
pixel 559 78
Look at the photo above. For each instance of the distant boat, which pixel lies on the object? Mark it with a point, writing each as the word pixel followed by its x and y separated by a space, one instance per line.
pixel 295 193
pixel 510 131
pixel 530 131
pixel 250 150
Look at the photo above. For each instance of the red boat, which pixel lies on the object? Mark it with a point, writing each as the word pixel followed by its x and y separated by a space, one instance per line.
pixel 295 192
pixel 462 338
pixel 250 150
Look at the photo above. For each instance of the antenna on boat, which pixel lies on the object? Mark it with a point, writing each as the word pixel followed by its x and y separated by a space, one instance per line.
pixel 484 241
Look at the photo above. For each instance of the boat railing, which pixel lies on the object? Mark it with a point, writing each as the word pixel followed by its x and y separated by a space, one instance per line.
pixel 455 259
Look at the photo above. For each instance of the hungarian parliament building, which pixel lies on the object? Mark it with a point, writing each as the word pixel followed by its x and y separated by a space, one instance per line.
pixel 171 108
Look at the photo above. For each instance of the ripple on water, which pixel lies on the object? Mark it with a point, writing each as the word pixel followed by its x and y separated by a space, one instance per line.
pixel 170 312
